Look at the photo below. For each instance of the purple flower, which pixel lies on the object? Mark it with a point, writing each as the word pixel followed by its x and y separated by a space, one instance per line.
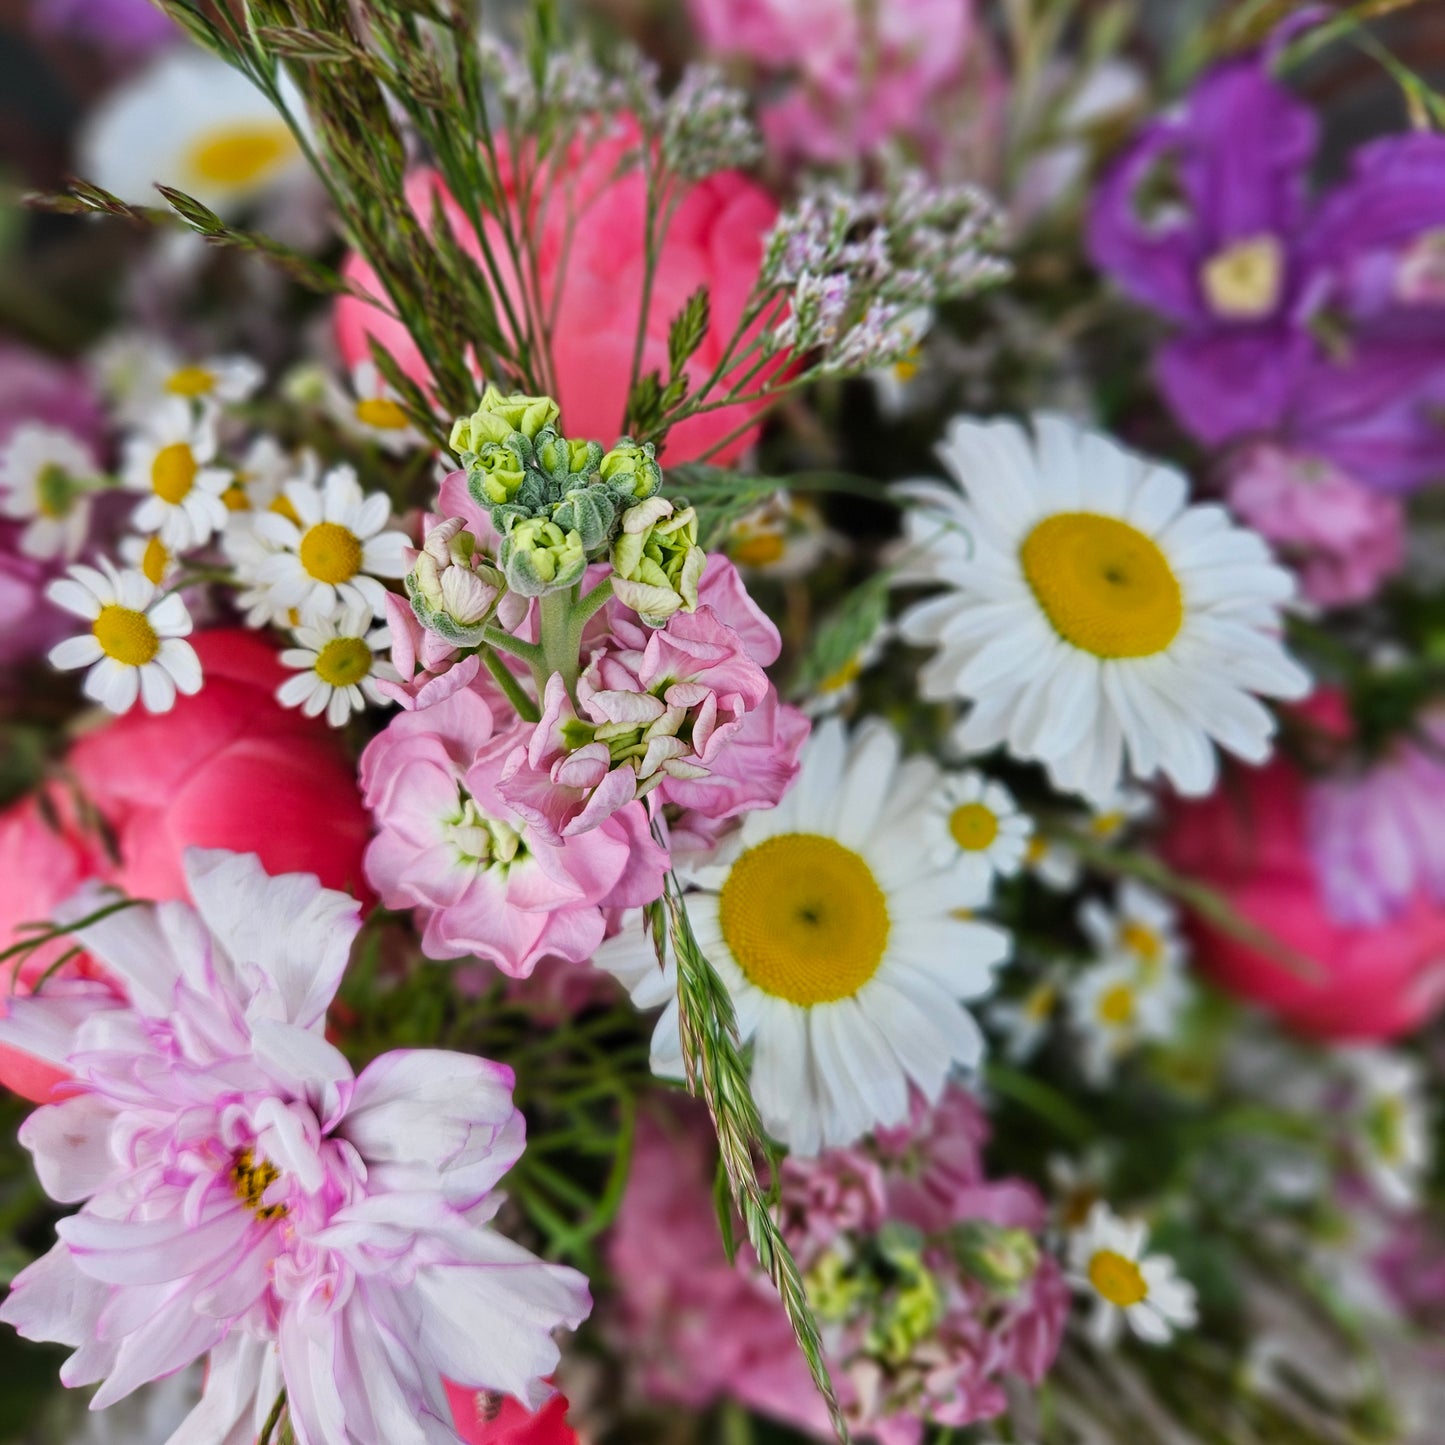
pixel 128 26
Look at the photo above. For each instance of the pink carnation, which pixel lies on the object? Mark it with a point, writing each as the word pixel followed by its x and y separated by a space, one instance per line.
pixel 482 880
pixel 1343 539
pixel 245 1195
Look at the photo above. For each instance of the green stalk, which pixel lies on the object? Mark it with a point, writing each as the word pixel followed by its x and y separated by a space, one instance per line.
pixel 507 681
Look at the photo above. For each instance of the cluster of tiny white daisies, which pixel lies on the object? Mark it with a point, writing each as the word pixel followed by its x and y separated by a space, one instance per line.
pixel 302 551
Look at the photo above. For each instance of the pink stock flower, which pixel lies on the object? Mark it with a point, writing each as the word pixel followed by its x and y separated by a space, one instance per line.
pixel 483 881
pixel 1251 843
pixel 1343 539
pixel 1378 837
pixel 986 1306
pixel 244 1194
pixel 591 244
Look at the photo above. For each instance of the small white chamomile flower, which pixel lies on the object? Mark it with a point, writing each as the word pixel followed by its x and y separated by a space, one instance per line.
pixel 833 924
pixel 134 647
pixel 319 550
pixel 980 820
pixel 1109 1266
pixel 337 667
pixel 260 476
pixel 170 462
pixel 1093 619
pixel 1114 1009
pixel 1024 1022
pixel 1144 928
pixel 783 536
pixel 47 476
pixel 150 557
pixel 1392 1139
pixel 1053 863
pixel 1114 815
pixel 138 372
pixel 372 410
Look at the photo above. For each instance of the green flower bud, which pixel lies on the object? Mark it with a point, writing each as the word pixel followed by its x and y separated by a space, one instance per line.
pixel 539 556
pixel 631 467
pixel 834 1288
pixel 912 1307
pixel 453 587
pixel 565 460
pixel 498 417
pixel 1003 1259
pixel 496 473
pixel 657 560
pixel 591 512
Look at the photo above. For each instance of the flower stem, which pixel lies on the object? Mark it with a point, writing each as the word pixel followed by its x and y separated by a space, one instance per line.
pixel 507 681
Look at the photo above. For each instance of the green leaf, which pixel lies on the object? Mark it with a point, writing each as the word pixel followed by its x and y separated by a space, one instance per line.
pixel 688 329
pixel 846 632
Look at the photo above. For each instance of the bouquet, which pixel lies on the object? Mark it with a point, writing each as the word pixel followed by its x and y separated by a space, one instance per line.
pixel 725 724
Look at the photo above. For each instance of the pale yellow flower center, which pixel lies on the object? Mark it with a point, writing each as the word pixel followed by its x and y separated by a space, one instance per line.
pixel 331 553
pixel 1243 281
pixel 1145 944
pixel 251 1181
pixel 191 381
pixel 126 635
pixel 1104 585
pixel 1107 825
pixel 344 661
pixel 283 508
pixel 760 550
pixel 1116 1006
pixel 173 473
pixel 805 918
pixel 974 827
pixel 235 497
pixel 381 413
pixel 154 561
pixel 1040 1003
pixel 1118 1279
pixel 240 155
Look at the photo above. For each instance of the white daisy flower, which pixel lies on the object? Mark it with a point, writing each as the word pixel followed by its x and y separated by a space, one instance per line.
pixel 1024 1022
pixel 337 667
pixel 150 557
pixel 894 385
pixel 190 121
pixel 1114 815
pixel 47 476
pixel 1054 864
pixel 1393 1134
pixel 784 536
pixel 170 462
pixel 831 921
pixel 1108 1264
pixel 1144 929
pixel 979 818
pixel 138 372
pixel 324 554
pixel 1093 617
pixel 134 647
pixel 1115 1008
pixel 261 476
pixel 372 410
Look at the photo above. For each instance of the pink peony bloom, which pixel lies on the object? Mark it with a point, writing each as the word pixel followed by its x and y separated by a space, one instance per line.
pixel 481 879
pixel 245 1194
pixel 590 247
pixel 1343 539
pixel 699 1330
pixel 1250 842
pixel 1378 838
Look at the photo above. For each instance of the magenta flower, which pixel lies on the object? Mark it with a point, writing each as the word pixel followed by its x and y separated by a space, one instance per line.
pixel 246 1195
pixel 481 877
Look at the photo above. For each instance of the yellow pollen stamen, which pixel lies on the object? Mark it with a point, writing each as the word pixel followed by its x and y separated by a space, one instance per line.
pixel 381 413
pixel 758 551
pixel 974 827
pixel 126 635
pixel 251 1181
pixel 805 918
pixel 344 661
pixel 1243 282
pixel 1116 1006
pixel 330 553
pixel 154 561
pixel 1104 585
pixel 191 381
pixel 240 155
pixel 1118 1279
pixel 173 472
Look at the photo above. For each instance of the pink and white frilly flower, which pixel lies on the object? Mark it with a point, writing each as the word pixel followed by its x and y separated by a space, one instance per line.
pixel 828 1196
pixel 1343 539
pixel 482 880
pixel 244 1194
pixel 1377 838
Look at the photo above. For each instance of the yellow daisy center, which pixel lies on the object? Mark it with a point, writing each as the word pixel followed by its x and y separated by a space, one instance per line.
pixel 1039 1005
pixel 1118 1279
pixel 173 472
pixel 283 508
pixel 191 381
pixel 55 492
pixel 241 154
pixel 758 551
pixel 844 677
pixel 1243 281
pixel 1107 825
pixel 126 635
pixel 805 918
pixel 974 827
pixel 1036 850
pixel 344 661
pixel 251 1181
pixel 906 367
pixel 1104 585
pixel 382 413
pixel 1116 1006
pixel 154 561
pixel 330 553
pixel 235 497
pixel 1144 943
